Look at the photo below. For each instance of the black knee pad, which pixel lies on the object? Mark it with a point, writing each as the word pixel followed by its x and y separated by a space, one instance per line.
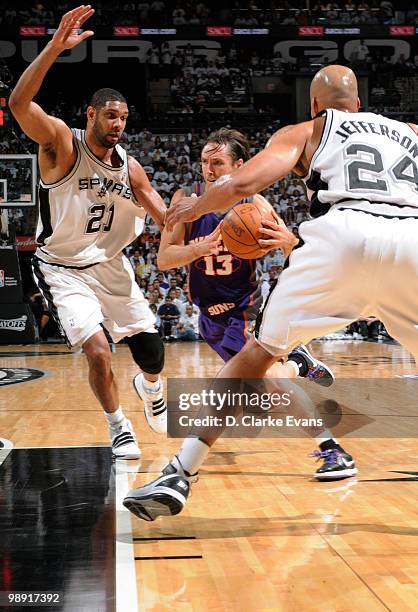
pixel 148 351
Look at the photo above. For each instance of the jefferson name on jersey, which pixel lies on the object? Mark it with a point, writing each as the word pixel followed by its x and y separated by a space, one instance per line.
pixel 351 128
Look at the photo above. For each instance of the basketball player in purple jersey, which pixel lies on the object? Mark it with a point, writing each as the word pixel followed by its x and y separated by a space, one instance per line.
pixel 221 285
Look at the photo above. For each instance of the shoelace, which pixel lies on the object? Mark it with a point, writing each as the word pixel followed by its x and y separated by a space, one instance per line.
pixel 152 392
pixel 329 456
pixel 120 427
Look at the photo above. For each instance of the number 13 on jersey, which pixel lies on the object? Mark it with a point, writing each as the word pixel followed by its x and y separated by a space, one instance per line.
pixel 218 265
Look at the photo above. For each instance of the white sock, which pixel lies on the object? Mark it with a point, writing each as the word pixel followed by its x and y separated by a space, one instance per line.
pixel 192 454
pixel 114 418
pixel 294 365
pixel 152 386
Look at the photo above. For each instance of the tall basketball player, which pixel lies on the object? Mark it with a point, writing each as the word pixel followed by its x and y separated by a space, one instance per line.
pixel 223 286
pixel 361 247
pixel 93 200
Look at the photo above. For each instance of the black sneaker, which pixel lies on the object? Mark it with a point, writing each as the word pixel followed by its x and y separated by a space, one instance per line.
pixel 316 370
pixel 165 496
pixel 337 464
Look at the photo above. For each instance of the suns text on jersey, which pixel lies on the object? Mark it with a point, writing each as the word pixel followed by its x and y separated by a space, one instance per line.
pixel 104 186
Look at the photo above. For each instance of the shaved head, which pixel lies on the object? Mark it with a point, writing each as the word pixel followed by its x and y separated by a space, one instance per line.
pixel 334 87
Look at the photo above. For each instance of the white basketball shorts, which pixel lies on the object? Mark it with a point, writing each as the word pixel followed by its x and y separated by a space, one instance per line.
pixel 82 300
pixel 353 264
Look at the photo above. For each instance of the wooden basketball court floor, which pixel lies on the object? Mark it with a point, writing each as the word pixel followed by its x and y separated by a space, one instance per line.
pixel 258 533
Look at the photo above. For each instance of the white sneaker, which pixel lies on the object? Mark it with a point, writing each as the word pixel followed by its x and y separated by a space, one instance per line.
pixel 124 444
pixel 155 408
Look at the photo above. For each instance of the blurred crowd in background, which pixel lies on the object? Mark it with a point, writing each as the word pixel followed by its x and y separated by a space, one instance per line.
pixel 159 13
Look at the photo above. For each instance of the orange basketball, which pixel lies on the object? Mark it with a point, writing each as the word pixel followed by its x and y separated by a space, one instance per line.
pixel 240 227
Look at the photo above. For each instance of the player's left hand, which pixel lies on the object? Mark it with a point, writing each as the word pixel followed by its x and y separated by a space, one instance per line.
pixel 277 236
pixel 67 34
pixel 182 211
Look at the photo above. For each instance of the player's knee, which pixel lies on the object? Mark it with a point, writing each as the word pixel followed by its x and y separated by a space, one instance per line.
pixel 98 354
pixel 148 352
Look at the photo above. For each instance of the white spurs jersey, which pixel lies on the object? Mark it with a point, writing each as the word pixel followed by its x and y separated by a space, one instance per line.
pixel 364 159
pixel 89 216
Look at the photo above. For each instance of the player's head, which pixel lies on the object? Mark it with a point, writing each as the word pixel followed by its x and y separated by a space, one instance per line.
pixel 334 87
pixel 106 117
pixel 224 151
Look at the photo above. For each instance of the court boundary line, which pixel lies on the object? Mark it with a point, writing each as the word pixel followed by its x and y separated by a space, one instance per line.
pixel 126 589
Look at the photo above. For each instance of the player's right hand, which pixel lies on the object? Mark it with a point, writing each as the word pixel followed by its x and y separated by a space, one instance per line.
pixel 210 245
pixel 276 236
pixel 184 210
pixel 67 36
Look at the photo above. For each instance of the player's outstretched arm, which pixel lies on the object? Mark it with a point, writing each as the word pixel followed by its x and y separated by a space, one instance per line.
pixel 174 253
pixel 33 120
pixel 281 155
pixel 145 193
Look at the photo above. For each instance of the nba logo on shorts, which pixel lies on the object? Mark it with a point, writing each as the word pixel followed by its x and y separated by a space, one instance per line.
pixel 1 278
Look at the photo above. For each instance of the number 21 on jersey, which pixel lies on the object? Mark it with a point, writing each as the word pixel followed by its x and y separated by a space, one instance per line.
pixel 96 221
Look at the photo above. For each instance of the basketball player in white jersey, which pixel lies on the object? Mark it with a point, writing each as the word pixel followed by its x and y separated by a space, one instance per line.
pixel 93 200
pixel 359 255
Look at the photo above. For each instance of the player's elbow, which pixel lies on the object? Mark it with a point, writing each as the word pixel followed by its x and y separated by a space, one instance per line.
pixel 163 262
pixel 15 103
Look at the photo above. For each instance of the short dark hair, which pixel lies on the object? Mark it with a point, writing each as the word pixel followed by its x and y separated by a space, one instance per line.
pixel 238 143
pixel 101 96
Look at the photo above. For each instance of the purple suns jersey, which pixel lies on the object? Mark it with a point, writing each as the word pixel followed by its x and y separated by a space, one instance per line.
pixel 221 285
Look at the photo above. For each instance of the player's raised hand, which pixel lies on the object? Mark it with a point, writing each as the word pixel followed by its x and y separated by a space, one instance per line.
pixel 67 34
pixel 182 211
pixel 276 236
